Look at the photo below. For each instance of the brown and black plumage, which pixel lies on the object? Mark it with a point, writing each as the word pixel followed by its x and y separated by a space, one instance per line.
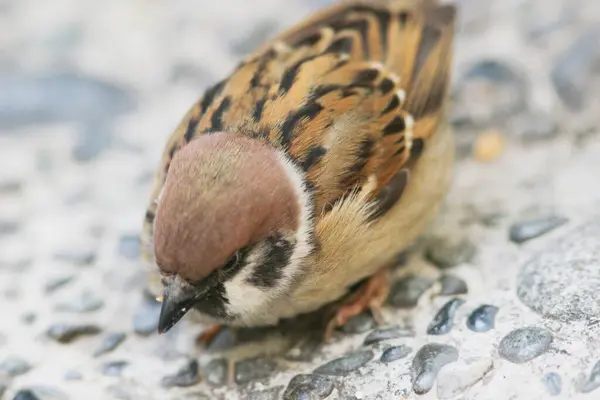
pixel 342 115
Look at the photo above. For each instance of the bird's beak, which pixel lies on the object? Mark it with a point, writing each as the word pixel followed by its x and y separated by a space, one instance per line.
pixel 178 298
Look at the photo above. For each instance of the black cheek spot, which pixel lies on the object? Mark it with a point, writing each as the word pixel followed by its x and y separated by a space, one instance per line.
pixel 269 272
pixel 215 303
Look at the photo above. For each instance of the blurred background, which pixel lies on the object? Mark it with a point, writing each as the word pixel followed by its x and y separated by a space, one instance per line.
pixel 90 91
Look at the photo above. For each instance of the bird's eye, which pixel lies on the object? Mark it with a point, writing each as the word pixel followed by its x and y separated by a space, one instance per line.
pixel 232 262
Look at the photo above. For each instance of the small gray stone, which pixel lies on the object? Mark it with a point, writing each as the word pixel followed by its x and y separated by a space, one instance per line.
pixel 76 256
pixel 114 368
pixel 395 353
pixel 359 323
pixel 129 246
pixel 57 283
pixel 73 375
pixel 393 332
pixel 450 251
pixel 452 286
pixel 14 366
pixel 215 372
pixel 483 318
pixel 267 394
pixel 427 363
pixel 43 393
pixel 86 302
pixel 25 394
pixel 9 227
pixel 443 320
pixel 304 350
pixel 574 72
pixel 65 333
pixel 524 344
pixel 10 187
pixel 145 319
pixel 553 383
pixel 593 381
pixel 28 318
pixel 185 377
pixel 405 293
pixel 344 365
pixel 562 282
pixel 109 343
pixel 521 232
pixel 307 386
pixel 252 369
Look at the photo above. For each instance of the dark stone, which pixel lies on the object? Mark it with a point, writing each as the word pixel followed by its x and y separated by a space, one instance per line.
pixel 524 344
pixel 405 293
pixel 428 362
pixel 393 332
pixel 25 395
pixel 114 368
pixel 593 381
pixel 85 303
pixel 307 386
pixel 14 366
pixel 395 353
pixel 40 393
pixel 574 72
pixel 521 232
pixel 359 323
pixel 145 319
pixel 64 97
pixel 110 342
pixel 553 383
pixel 267 394
pixel 79 257
pixel 186 376
pixel 483 318
pixel 443 320
pixel 304 350
pixel 129 246
pixel 58 283
pixel 215 372
pixel 64 333
pixel 452 286
pixel 344 365
pixel 252 369
pixel 448 252
pixel 562 281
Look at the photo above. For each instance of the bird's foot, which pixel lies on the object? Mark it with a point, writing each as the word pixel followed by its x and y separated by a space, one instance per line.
pixel 370 295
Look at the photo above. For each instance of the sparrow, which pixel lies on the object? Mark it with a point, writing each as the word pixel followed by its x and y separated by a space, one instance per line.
pixel 295 181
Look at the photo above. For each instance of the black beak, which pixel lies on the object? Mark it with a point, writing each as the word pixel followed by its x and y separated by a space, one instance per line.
pixel 178 298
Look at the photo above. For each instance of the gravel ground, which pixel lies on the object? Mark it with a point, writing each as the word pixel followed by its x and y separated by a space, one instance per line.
pixel 498 301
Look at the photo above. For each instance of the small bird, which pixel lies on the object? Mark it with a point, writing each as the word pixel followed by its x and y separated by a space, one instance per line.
pixel 295 182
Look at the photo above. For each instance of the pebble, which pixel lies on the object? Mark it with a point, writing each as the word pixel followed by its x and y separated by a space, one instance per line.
pixel 215 372
pixel 304 350
pixel 73 375
pixel 57 283
pixel 344 365
pixel 61 97
pixel 359 323
pixel 76 256
pixel 443 320
pixel 65 333
pixel 129 246
pixel 10 186
pixel 114 368
pixel 524 344
pixel 573 72
pixel 145 319
pixel 395 353
pixel 449 251
pixel 393 332
pixel 452 286
pixel 562 281
pixel 405 293
pixel 14 366
pixel 267 394
pixel 593 381
pixel 86 302
pixel 308 386
pixel 25 395
pixel 252 369
pixel 459 377
pixel 427 363
pixel 9 227
pixel 483 318
pixel 490 90
pixel 186 376
pixel 40 393
pixel 553 383
pixel 110 342
pixel 521 232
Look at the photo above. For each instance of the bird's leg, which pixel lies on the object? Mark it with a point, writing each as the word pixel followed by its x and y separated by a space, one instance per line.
pixel 370 295
pixel 208 335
